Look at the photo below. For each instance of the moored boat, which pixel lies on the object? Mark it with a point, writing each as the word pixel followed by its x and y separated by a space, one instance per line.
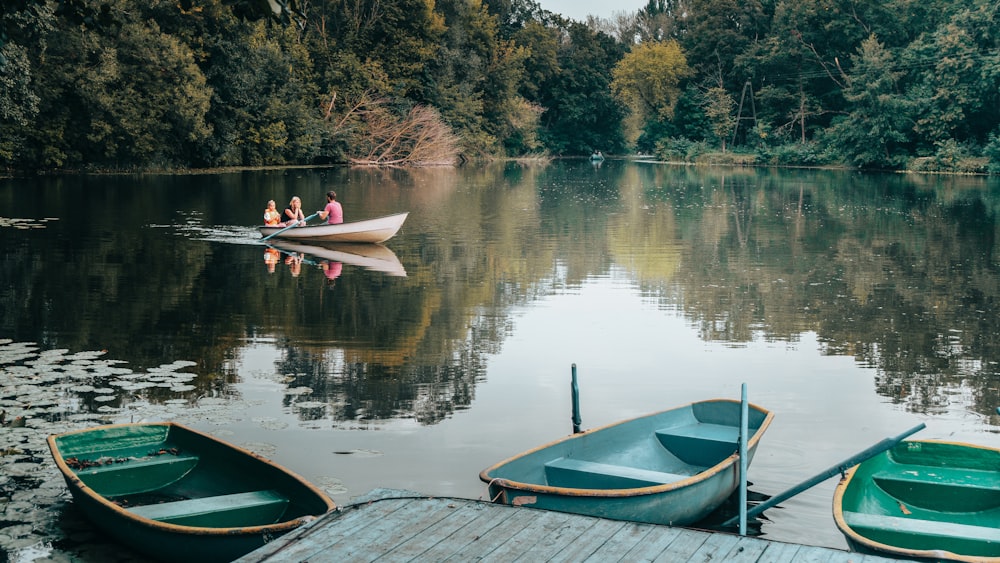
pixel 923 500
pixel 176 494
pixel 673 467
pixel 379 229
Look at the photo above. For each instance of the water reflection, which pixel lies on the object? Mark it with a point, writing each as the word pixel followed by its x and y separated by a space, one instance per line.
pixel 331 257
pixel 898 272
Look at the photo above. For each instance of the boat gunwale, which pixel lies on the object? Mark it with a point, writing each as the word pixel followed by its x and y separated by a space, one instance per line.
pixel 636 491
pixel 238 531
pixel 894 550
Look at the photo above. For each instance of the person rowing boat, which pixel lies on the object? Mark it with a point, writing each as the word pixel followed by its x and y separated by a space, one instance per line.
pixel 333 213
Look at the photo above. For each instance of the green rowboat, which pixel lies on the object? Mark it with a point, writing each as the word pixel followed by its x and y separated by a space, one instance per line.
pixel 925 500
pixel 672 467
pixel 176 494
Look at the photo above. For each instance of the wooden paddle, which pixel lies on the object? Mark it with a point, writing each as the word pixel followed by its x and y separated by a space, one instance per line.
pixel 293 225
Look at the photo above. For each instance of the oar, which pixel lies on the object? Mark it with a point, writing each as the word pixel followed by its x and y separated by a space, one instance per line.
pixel 817 479
pixel 295 224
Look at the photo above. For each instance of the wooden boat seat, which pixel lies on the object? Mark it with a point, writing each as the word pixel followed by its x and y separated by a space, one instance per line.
pixel 255 508
pixel 883 528
pixel 700 444
pixel 137 475
pixel 581 474
pixel 943 488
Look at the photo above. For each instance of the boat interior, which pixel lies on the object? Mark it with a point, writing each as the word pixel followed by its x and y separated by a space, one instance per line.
pixel 926 502
pixel 176 482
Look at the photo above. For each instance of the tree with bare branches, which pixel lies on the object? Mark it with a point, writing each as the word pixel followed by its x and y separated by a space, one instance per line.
pixel 379 136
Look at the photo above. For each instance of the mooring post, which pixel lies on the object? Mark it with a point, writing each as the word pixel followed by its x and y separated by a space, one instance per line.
pixel 575 391
pixel 744 438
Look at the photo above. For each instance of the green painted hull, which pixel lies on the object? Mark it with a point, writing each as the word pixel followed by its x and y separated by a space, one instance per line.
pixel 176 494
pixel 672 467
pixel 924 500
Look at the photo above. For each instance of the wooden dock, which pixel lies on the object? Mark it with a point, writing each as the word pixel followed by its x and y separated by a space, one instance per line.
pixel 400 526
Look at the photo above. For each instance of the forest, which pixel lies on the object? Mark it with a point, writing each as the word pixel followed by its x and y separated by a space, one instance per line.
pixel 90 85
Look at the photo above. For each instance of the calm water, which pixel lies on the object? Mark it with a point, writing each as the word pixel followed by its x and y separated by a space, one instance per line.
pixel 853 306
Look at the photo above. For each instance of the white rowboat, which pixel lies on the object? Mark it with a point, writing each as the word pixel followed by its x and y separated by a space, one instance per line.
pixel 375 230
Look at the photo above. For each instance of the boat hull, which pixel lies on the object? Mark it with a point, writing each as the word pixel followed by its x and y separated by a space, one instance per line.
pixel 923 500
pixel 175 494
pixel 375 230
pixel 673 467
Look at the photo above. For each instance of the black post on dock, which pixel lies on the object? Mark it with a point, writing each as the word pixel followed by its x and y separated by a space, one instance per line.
pixel 575 391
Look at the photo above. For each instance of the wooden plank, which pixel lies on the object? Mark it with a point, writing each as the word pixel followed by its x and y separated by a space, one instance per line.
pixel 326 532
pixel 683 547
pixel 808 554
pixel 746 550
pixel 528 537
pixel 714 548
pixel 493 539
pixel 851 557
pixel 654 545
pixel 410 520
pixel 437 533
pixel 778 551
pixel 589 542
pixel 469 535
pixel 631 535
pixel 550 544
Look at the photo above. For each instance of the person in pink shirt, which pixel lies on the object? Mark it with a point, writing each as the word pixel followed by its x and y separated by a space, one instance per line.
pixel 333 213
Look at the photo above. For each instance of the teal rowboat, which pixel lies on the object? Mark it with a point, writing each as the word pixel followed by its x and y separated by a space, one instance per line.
pixel 925 500
pixel 175 494
pixel 672 467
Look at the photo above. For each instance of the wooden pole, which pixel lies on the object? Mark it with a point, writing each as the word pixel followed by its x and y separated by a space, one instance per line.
pixel 575 391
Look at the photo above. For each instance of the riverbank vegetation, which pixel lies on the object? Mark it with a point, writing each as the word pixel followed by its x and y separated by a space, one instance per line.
pixel 129 84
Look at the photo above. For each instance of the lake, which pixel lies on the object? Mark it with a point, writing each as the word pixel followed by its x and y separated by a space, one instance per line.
pixel 853 306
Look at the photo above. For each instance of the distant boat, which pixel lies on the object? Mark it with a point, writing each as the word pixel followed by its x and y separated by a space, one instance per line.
pixel 176 494
pixel 672 467
pixel 373 257
pixel 379 229
pixel 923 499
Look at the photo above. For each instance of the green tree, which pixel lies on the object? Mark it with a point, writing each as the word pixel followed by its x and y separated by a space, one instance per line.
pixel 648 81
pixel 716 32
pixel 957 68
pixel 874 132
pixel 719 111
pixel 581 114
pixel 266 106
pixel 476 76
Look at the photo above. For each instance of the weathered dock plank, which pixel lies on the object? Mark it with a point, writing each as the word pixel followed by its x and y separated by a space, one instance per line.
pixel 397 526
pixel 682 548
pixel 590 542
pixel 779 551
pixel 522 542
pixel 550 546
pixel 491 539
pixel 629 536
pixel 654 544
pixel 715 548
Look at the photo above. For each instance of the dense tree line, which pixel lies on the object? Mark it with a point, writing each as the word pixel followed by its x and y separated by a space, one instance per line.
pixel 126 84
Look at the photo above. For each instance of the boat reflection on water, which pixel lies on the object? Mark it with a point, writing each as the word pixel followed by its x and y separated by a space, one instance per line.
pixel 331 256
